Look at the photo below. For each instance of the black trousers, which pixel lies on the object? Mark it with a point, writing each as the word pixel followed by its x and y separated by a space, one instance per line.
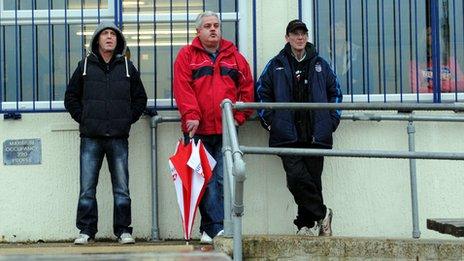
pixel 304 182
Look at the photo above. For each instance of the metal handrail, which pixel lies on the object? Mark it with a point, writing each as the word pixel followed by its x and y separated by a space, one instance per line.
pixel 235 153
pixel 457 106
pixel 228 151
pixel 354 153
pixel 154 121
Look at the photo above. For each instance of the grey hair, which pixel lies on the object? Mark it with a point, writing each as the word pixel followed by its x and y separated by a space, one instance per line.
pixel 199 20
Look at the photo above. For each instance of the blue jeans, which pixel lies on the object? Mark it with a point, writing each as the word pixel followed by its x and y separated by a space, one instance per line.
pixel 92 152
pixel 212 203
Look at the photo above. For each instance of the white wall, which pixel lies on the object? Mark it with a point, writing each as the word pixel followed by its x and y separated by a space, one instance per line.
pixel 272 18
pixel 40 201
pixel 370 197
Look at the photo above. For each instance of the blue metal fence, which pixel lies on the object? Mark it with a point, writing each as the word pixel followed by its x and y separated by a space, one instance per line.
pixel 41 42
pixel 381 49
pixel 389 50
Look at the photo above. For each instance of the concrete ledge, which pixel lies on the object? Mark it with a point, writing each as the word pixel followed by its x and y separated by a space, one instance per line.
pixel 298 247
pixel 141 251
pixel 96 248
pixel 450 226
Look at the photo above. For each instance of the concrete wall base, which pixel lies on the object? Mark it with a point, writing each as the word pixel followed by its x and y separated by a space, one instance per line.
pixel 321 248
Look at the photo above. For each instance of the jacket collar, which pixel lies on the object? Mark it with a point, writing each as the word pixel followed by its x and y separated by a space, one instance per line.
pixel 283 55
pixel 95 57
pixel 287 51
pixel 225 47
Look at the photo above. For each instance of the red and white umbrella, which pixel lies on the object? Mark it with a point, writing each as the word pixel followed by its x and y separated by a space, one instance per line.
pixel 191 169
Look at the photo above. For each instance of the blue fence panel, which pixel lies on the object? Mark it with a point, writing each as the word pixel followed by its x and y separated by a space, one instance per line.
pixel 389 50
pixel 41 42
pixel 384 50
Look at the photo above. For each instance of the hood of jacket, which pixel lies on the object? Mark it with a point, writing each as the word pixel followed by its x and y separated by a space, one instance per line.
pixel 121 44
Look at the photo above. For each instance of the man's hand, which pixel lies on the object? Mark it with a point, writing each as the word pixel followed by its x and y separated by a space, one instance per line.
pixel 192 126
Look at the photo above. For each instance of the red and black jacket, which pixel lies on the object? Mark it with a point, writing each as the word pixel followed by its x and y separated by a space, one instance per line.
pixel 201 84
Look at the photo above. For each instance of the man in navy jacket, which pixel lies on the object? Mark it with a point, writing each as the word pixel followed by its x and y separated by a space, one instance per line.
pixel 298 74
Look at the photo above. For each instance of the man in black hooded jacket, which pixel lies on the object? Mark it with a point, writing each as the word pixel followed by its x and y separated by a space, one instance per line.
pixel 105 96
pixel 298 74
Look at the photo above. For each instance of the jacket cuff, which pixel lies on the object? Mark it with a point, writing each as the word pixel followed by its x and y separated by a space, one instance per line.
pixel 135 117
pixel 77 116
pixel 335 123
pixel 192 116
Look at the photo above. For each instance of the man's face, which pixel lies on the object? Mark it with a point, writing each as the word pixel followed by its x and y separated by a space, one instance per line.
pixel 209 32
pixel 107 40
pixel 340 31
pixel 297 39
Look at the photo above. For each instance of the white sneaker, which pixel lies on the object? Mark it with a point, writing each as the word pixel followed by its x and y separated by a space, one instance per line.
pixel 309 231
pixel 220 233
pixel 205 239
pixel 126 238
pixel 326 224
pixel 83 239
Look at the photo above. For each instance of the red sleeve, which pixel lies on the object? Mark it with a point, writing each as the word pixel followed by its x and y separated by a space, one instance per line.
pixel 459 76
pixel 184 93
pixel 245 89
pixel 418 82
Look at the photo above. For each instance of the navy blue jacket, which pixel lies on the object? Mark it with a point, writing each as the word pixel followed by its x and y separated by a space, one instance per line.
pixel 276 84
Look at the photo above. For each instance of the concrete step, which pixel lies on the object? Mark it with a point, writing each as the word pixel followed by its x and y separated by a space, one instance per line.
pixel 275 247
pixel 450 226
pixel 156 251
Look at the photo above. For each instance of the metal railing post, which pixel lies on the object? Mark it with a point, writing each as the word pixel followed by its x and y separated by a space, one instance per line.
pixel 154 178
pixel 235 166
pixel 239 178
pixel 237 244
pixel 154 172
pixel 227 177
pixel 413 177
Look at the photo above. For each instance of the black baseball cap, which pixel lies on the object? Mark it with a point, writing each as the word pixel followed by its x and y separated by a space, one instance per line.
pixel 295 25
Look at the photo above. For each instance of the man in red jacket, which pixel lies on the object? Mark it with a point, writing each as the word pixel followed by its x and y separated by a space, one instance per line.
pixel 205 73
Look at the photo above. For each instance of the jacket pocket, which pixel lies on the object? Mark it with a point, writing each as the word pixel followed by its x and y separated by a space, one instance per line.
pixel 323 129
pixel 282 131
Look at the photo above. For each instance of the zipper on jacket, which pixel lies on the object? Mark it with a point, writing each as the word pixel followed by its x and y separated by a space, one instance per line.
pixel 107 73
pixel 311 75
pixel 213 90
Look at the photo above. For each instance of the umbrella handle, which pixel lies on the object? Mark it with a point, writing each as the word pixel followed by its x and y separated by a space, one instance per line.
pixel 187 139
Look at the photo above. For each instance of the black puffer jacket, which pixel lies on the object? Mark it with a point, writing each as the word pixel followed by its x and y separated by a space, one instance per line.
pixel 105 98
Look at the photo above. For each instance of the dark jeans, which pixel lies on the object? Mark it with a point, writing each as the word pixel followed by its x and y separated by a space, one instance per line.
pixel 212 203
pixel 304 182
pixel 92 152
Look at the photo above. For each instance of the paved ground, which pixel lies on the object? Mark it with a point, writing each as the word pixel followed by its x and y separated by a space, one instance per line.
pixel 255 248
pixel 162 251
